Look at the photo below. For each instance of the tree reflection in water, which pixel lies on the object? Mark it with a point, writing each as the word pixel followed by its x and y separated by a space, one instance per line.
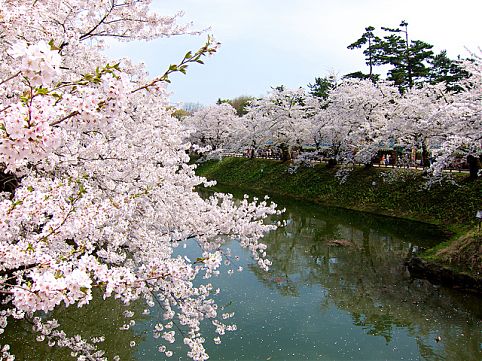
pixel 337 290
pixel 363 273
pixel 96 319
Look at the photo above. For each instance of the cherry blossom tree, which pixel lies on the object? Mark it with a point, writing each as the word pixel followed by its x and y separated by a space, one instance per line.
pixel 360 117
pixel 463 136
pixel 285 115
pixel 213 126
pixel 252 134
pixel 102 190
pixel 443 124
pixel 420 119
pixel 353 123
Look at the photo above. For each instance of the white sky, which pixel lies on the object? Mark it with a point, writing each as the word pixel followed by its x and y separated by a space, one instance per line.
pixel 290 42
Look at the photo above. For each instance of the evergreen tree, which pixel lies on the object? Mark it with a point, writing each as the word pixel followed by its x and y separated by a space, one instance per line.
pixel 369 38
pixel 322 86
pixel 362 76
pixel 409 58
pixel 445 70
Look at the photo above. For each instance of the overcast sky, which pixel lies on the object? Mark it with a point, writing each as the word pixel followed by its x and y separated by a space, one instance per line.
pixel 268 43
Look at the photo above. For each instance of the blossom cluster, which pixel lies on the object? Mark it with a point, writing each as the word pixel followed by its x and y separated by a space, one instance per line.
pixel 103 192
pixel 39 64
pixel 26 134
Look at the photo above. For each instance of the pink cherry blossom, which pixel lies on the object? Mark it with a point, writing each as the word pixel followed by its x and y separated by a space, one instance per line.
pixel 105 193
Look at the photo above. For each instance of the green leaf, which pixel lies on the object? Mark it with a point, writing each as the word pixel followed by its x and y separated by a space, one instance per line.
pixel 82 190
pixel 42 91
pixel 52 45
pixel 17 203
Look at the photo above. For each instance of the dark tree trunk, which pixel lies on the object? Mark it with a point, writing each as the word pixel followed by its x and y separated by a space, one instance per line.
pixel 332 163
pixel 285 152
pixel 425 155
pixel 474 165
pixel 8 182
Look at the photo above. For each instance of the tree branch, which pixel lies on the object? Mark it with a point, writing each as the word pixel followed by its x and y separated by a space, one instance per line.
pixel 73 114
pixel 10 78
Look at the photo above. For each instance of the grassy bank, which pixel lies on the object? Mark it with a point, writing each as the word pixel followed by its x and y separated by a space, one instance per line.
pixel 393 192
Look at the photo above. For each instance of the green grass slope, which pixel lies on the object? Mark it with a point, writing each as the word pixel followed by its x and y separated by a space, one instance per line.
pixel 394 192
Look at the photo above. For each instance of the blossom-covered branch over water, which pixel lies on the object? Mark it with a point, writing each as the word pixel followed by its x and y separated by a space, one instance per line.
pixel 103 191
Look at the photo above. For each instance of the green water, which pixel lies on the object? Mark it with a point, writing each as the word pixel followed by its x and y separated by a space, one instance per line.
pixel 319 301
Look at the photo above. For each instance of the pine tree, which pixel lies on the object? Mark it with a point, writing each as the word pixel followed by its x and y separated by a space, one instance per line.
pixel 368 37
pixel 443 69
pixel 409 59
pixel 322 86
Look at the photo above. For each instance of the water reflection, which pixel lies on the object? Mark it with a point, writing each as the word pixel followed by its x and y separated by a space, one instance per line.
pixel 337 290
pixel 357 259
pixel 99 318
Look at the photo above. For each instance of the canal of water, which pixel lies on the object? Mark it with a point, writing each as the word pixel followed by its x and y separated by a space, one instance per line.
pixel 337 290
